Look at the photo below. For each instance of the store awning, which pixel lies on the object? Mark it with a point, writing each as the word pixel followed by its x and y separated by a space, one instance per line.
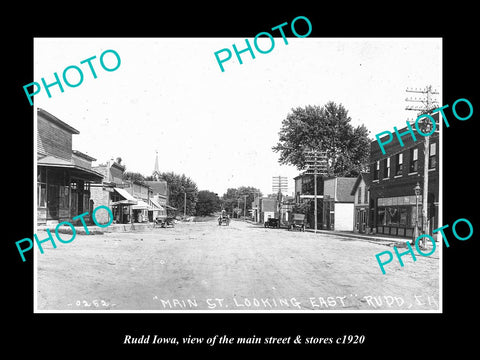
pixel 155 205
pixel 141 205
pixel 127 198
pixel 75 169
pixel 124 202
pixel 125 194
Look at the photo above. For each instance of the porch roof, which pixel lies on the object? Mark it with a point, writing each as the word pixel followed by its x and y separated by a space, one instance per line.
pixel 76 170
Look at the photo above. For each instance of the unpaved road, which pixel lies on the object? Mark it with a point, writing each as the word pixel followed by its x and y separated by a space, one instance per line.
pixel 203 266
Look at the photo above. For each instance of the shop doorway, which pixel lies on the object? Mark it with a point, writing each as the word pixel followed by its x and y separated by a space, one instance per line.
pixel 362 221
pixel 52 202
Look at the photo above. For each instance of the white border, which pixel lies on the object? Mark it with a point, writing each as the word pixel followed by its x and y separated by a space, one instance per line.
pixel 379 311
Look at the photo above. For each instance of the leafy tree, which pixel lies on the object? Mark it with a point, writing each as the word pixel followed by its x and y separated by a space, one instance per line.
pixel 208 202
pixel 234 197
pixel 328 129
pixel 178 186
pixel 134 176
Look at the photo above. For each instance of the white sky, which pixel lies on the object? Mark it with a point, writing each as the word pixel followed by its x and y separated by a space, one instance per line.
pixel 218 127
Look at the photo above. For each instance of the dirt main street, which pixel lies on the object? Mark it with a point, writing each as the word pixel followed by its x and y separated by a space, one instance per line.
pixel 203 266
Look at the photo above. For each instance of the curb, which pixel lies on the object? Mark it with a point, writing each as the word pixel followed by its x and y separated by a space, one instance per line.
pixel 401 240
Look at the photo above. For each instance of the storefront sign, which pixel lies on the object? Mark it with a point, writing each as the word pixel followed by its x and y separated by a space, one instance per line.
pixel 74 233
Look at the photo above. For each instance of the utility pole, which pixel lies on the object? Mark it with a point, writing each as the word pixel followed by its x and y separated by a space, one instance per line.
pixel 316 165
pixel 279 183
pixel 279 186
pixel 185 204
pixel 428 104
pixel 245 207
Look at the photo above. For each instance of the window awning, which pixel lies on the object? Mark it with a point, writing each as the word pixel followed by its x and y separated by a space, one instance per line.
pixel 141 205
pixel 127 198
pixel 155 205
pixel 125 194
pixel 124 202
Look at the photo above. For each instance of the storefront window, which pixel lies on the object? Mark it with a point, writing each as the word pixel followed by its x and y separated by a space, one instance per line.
pixel 41 194
pixel 63 197
pixel 74 204
pixel 393 216
pixel 413 216
pixel 432 159
pixel 403 215
pixel 86 202
pixel 381 219
pixel 398 211
pixel 41 174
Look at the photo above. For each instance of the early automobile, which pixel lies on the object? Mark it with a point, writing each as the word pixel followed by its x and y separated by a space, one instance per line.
pixel 272 222
pixel 297 222
pixel 224 219
pixel 165 221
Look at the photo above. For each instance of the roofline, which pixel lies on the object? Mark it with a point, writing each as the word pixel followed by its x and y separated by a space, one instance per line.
pixel 85 156
pixel 57 121
pixel 75 167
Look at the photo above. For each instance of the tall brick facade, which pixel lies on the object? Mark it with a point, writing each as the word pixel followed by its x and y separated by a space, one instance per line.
pixel 393 178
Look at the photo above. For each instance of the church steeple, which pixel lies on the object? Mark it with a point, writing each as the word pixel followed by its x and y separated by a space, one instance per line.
pixel 156 171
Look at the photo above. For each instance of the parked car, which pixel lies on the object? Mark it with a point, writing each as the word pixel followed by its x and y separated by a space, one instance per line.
pixel 164 221
pixel 273 223
pixel 297 222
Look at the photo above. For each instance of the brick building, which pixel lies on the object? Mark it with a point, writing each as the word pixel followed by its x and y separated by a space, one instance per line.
pixel 393 178
pixel 110 192
pixel 63 175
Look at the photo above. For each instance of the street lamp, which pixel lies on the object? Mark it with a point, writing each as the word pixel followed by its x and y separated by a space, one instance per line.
pixel 417 190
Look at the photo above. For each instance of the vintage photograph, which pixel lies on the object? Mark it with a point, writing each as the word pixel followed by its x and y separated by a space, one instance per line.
pixel 170 179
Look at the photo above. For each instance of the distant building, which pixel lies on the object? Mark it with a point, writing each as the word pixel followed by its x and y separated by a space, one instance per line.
pixel 268 208
pixel 160 194
pixel 64 175
pixel 130 201
pixel 338 203
pixel 363 213
pixel 304 197
pixel 334 201
pixel 111 193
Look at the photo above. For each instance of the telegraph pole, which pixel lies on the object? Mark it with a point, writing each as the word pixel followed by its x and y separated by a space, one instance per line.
pixel 245 207
pixel 317 165
pixel 185 204
pixel 428 104
pixel 279 186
